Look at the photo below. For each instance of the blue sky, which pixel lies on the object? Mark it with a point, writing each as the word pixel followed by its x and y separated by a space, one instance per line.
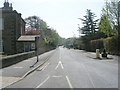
pixel 62 15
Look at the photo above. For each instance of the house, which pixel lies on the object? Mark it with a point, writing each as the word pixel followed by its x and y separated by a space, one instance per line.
pixel 12 27
pixel 13 38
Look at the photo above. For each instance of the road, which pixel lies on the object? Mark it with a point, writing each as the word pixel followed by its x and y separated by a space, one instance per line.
pixel 69 68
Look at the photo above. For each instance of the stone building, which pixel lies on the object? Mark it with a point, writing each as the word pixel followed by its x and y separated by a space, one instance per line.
pixel 13 26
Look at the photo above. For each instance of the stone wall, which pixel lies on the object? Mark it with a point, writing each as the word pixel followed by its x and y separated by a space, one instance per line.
pixel 12 59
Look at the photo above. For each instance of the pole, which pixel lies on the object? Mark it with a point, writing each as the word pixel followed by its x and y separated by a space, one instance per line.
pixel 36 47
pixel 119 17
pixel 118 26
pixel 36 50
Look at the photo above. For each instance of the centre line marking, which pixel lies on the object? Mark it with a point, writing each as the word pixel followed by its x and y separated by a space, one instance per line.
pixel 59 63
pixel 68 80
pixel 56 76
pixel 42 82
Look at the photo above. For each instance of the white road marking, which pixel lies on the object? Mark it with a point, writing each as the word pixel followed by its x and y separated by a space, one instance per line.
pixel 68 80
pixel 59 63
pixel 56 76
pixel 18 67
pixel 42 82
pixel 45 66
pixel 27 60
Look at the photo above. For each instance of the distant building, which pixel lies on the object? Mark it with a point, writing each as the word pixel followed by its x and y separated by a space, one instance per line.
pixel 13 26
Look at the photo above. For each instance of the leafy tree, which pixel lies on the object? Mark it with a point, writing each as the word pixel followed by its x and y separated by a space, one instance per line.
pixel 32 25
pixel 51 36
pixel 68 42
pixel 112 10
pixel 104 26
pixel 76 43
pixel 35 25
pixel 61 41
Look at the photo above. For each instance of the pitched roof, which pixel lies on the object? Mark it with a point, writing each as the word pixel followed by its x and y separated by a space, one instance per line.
pixel 27 38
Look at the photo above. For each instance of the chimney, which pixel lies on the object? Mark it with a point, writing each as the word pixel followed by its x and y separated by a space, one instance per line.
pixel 11 8
pixel 6 4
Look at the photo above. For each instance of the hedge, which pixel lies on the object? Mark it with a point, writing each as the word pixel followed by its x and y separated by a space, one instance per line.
pixel 97 44
pixel 110 44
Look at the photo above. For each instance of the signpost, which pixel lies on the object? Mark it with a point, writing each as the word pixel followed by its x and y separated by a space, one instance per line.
pixel 36 50
pixel 36 47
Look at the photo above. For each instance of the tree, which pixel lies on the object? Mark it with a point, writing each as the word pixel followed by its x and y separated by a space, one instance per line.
pixel 112 10
pixel 90 25
pixel 35 25
pixel 69 42
pixel 51 37
pixel 32 25
pixel 104 26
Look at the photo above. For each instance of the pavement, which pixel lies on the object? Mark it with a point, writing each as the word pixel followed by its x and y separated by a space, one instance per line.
pixel 110 57
pixel 19 71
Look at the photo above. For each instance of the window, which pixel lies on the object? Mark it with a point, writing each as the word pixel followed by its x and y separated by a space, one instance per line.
pixel 1 24
pixel 32 46
pixel 1 45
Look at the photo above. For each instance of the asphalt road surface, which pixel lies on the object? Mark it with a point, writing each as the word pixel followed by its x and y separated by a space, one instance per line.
pixel 69 68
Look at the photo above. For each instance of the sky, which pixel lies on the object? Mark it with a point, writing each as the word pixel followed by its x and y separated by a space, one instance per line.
pixel 61 15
